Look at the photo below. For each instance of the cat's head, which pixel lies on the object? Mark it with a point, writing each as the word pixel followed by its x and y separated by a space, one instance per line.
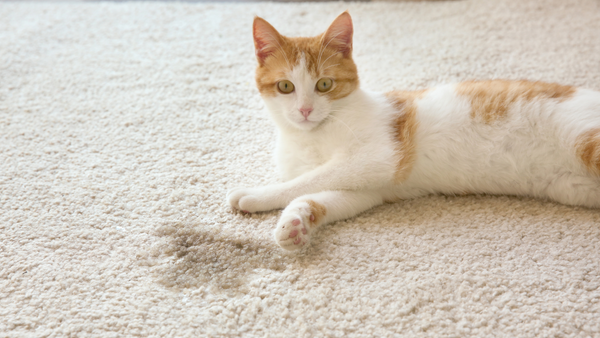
pixel 300 79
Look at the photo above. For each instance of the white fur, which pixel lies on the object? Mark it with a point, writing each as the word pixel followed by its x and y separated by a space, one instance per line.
pixel 345 158
pixel 529 152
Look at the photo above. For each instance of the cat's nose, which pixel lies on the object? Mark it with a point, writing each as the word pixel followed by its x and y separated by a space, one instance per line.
pixel 305 111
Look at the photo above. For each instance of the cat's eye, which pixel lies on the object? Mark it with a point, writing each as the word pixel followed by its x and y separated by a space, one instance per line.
pixel 324 85
pixel 285 86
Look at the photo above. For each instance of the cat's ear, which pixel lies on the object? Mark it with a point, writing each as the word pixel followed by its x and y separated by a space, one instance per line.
pixel 339 34
pixel 266 39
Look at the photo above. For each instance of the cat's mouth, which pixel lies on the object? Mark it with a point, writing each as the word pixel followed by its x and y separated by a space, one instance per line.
pixel 307 124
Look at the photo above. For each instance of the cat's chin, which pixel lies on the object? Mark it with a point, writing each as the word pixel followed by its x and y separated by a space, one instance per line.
pixel 306 125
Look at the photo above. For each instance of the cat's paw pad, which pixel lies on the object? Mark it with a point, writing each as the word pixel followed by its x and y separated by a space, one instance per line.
pixel 291 234
pixel 295 226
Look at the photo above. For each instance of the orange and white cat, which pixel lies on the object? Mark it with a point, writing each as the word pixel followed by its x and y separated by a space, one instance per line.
pixel 342 150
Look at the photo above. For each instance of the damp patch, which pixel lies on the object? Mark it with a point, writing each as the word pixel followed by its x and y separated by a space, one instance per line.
pixel 199 257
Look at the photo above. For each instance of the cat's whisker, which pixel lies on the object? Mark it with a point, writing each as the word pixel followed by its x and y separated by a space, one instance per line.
pixel 281 49
pixel 324 69
pixel 320 49
pixel 325 47
pixel 325 62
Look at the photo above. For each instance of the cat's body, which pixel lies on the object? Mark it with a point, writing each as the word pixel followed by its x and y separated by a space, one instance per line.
pixel 342 150
pixel 530 151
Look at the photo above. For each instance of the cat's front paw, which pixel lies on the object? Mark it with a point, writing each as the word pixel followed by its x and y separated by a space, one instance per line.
pixel 249 199
pixel 296 224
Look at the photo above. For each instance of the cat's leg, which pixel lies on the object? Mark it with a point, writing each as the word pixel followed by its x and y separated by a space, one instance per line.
pixel 306 213
pixel 333 176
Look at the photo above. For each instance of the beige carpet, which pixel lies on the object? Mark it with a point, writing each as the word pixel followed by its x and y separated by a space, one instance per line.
pixel 122 125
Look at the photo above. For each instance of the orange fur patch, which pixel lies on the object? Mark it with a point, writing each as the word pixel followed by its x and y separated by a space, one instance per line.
pixel 317 210
pixel 405 127
pixel 320 62
pixel 588 150
pixel 490 100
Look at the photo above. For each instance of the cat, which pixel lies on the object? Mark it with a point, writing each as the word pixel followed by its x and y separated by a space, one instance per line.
pixel 342 150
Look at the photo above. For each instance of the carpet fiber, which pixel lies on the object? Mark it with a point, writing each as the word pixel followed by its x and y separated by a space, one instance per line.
pixel 122 125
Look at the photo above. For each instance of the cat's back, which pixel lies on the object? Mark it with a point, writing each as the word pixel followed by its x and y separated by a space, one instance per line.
pixel 499 136
pixel 493 103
